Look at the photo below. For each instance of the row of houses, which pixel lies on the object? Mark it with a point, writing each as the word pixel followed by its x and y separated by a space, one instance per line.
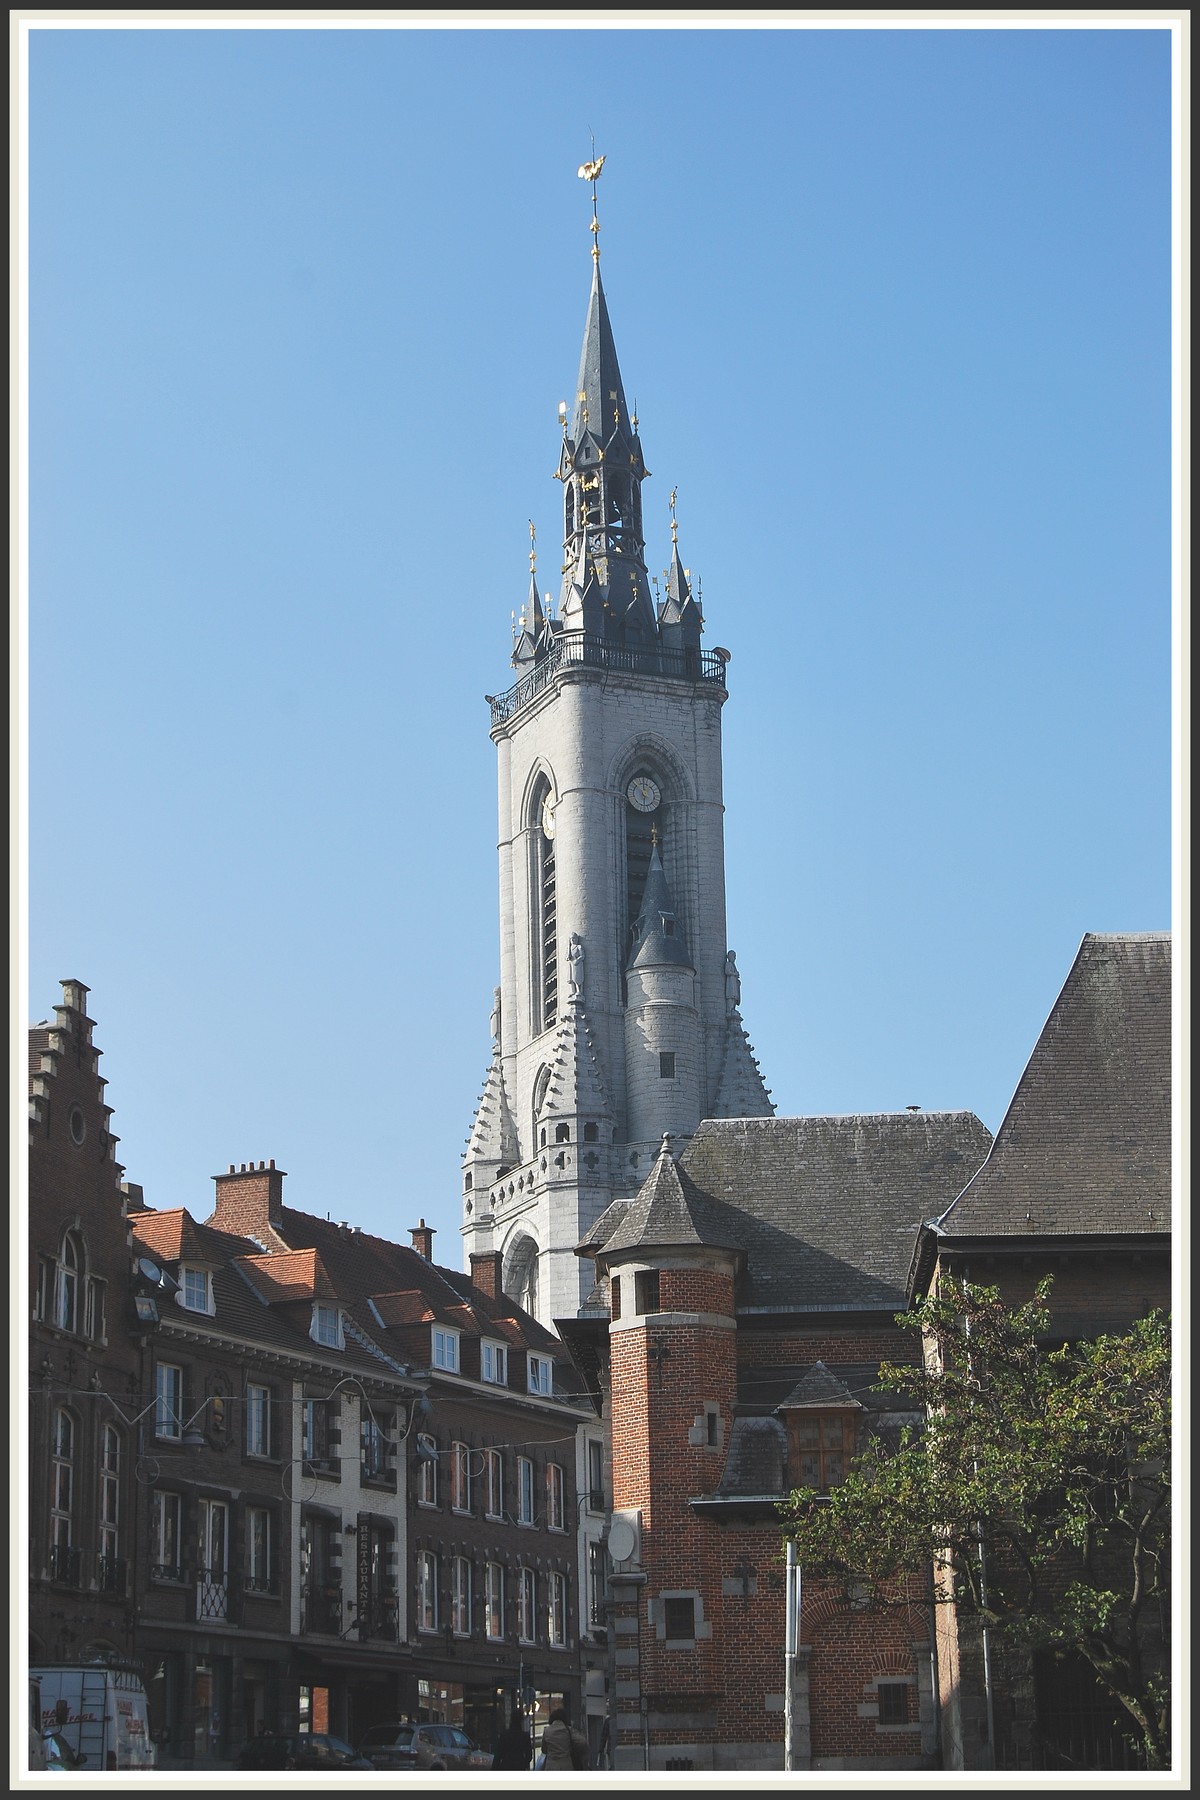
pixel 299 1474
pixel 306 1476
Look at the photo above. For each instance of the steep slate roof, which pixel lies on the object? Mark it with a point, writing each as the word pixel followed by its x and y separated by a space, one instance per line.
pixel 819 1388
pixel 1085 1146
pixel 827 1210
pixel 669 1210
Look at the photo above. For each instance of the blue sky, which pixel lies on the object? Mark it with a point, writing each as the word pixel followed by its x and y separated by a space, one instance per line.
pixel 895 308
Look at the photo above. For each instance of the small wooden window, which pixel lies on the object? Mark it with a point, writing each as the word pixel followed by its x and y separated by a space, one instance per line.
pixel 825 1442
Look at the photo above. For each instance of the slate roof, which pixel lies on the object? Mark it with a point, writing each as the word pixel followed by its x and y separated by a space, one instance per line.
pixel 825 1210
pixel 669 1209
pixel 1085 1146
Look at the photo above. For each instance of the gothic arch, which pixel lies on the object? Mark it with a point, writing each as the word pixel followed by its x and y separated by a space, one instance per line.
pixel 663 760
pixel 521 1271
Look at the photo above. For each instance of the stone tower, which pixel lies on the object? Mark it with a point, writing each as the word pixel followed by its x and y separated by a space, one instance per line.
pixel 617 1015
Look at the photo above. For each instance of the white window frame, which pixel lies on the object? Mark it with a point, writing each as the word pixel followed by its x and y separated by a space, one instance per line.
pixel 527 1606
pixel 460 1597
pixel 258 1549
pixel 166 1532
pixel 62 1480
pixel 110 1493
pixel 427 1591
pixel 69 1275
pixel 494 1473
pixel 427 1470
pixel 258 1419
pixel 444 1349
pixel 460 1478
pixel 326 1326
pixel 494 1601
pixel 168 1401
pixel 540 1375
pixel 374 1444
pixel 193 1277
pixel 555 1498
pixel 556 1609
pixel 526 1511
pixel 493 1362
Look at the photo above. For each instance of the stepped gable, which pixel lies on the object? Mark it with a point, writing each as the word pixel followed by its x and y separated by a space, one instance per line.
pixel 741 1091
pixel 827 1210
pixel 493 1135
pixel 1085 1146
pixel 50 1045
pixel 576 1086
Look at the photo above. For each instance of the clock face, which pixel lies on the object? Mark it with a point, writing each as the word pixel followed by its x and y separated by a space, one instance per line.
pixel 644 793
pixel 548 815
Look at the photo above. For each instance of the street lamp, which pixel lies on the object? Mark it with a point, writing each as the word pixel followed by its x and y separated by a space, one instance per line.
pixel 791 1644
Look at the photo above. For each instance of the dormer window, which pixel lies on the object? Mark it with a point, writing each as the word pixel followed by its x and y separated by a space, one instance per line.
pixel 327 1325
pixel 195 1288
pixel 825 1444
pixel 493 1363
pixel 445 1350
pixel 541 1375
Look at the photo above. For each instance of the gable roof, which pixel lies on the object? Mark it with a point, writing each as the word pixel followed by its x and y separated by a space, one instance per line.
pixel 1085 1146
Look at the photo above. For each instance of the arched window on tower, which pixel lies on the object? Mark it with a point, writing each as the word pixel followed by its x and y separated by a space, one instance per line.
pixel 544 909
pixel 521 1275
pixel 541 1083
pixel 643 828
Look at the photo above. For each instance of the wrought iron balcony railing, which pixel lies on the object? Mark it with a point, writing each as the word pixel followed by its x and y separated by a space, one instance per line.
pixel 321 1609
pixel 66 1565
pixel 111 1574
pixel 575 650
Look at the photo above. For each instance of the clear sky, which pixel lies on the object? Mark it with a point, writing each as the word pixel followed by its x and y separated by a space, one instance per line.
pixel 895 307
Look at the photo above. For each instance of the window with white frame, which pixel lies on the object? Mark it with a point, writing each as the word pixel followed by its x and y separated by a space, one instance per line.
pixel 525 1510
pixel 555 1517
pixel 494 1481
pixel 110 1505
pixel 445 1349
pixel 494 1600
pixel 427 1591
pixel 556 1610
pixel 195 1288
pixel 527 1606
pixel 460 1478
pixel 62 1491
pixel 327 1324
pixel 168 1400
pixel 460 1597
pixel 258 1549
pixel 258 1419
pixel 493 1362
pixel 68 1278
pixel 166 1517
pixel 427 1470
pixel 94 1312
pixel 541 1375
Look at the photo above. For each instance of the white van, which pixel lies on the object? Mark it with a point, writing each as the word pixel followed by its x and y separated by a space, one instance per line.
pixel 97 1712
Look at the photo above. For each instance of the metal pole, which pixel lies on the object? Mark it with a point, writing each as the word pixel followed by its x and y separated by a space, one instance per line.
pixel 791 1624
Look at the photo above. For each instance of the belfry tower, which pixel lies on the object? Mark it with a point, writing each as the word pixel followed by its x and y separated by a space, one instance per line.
pixel 617 1017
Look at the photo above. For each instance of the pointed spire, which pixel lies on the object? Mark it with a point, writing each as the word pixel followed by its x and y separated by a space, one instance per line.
pixel 530 624
pixel 741 1092
pixel 670 1211
pixel 599 392
pixel 576 1088
pixel 493 1136
pixel 657 934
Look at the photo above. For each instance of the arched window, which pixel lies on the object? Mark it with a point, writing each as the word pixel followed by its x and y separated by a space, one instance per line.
pixel 64 1557
pixel 68 1282
pixel 544 909
pixel 643 828
pixel 541 1083
pixel 521 1277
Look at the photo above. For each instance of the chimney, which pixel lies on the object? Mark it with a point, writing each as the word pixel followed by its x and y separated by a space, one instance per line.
pixel 487 1273
pixel 422 1239
pixel 249 1199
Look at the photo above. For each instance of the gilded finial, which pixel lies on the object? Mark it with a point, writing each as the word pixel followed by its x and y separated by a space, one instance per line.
pixel 654 836
pixel 674 523
pixel 590 171
pixel 532 546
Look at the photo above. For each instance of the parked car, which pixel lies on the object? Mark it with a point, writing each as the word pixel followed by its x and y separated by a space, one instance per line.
pixel 408 1746
pixel 299 1750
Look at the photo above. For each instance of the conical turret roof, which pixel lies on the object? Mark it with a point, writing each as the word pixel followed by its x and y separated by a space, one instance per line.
pixel 599 394
pixel 657 935
pixel 670 1211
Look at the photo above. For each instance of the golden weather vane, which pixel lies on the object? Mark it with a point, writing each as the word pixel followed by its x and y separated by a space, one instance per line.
pixel 590 171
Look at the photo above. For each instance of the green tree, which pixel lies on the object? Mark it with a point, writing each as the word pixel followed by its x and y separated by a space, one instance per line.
pixel 1035 1495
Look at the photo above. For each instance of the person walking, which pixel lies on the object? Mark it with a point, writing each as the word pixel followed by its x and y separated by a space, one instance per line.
pixel 562 1746
pixel 514 1746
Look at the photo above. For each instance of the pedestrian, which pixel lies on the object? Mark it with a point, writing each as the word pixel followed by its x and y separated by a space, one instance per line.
pixel 563 1746
pixel 514 1746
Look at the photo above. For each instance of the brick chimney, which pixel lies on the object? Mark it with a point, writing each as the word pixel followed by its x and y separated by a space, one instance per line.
pixel 249 1200
pixel 422 1239
pixel 487 1272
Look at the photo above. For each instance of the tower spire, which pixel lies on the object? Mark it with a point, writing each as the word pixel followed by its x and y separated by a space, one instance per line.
pixel 590 171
